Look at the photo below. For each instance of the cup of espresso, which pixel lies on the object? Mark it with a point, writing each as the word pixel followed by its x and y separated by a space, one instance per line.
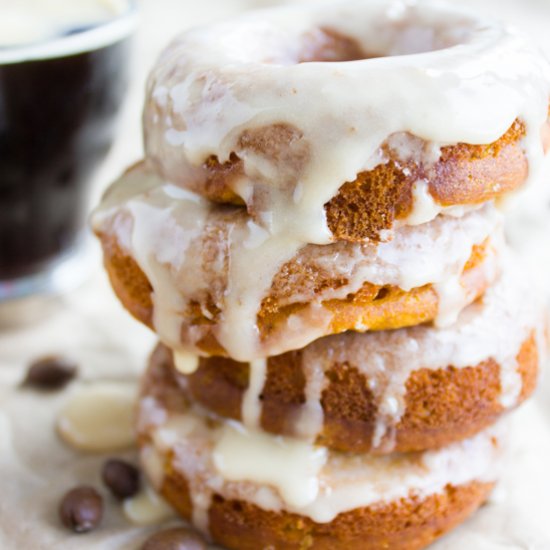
pixel 63 75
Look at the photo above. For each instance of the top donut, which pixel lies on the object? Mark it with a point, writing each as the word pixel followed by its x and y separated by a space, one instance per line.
pixel 344 120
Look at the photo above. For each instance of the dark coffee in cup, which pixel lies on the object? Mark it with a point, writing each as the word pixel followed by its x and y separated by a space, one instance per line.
pixel 58 103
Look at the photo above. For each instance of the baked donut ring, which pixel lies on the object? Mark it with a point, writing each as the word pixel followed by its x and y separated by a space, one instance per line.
pixel 207 278
pixel 407 390
pixel 251 491
pixel 264 111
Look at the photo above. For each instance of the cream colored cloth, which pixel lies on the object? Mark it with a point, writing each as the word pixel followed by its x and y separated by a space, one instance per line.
pixel 36 468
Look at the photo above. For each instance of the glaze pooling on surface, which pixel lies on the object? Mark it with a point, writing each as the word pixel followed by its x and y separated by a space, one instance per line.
pixel 291 465
pixel 285 474
pixel 195 252
pixel 443 76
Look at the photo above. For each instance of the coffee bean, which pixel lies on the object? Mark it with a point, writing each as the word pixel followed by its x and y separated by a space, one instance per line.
pixel 121 477
pixel 81 509
pixel 178 538
pixel 50 373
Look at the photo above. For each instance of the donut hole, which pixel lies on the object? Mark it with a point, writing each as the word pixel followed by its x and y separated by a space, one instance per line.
pixel 397 39
pixel 340 32
pixel 326 45
pixel 378 32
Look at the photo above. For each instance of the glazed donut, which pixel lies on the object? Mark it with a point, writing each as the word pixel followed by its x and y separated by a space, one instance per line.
pixel 407 390
pixel 208 278
pixel 265 110
pixel 249 490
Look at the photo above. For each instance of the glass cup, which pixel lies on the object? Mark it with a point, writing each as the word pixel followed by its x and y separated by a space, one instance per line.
pixel 59 97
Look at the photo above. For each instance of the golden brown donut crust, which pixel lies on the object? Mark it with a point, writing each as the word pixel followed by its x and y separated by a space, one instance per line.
pixel 406 524
pixel 373 306
pixel 441 406
pixel 464 174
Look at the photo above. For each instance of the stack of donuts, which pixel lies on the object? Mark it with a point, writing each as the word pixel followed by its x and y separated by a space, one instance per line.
pixel 315 237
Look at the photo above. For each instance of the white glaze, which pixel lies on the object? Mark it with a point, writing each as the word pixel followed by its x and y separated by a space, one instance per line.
pixel 252 405
pixel 452 296
pixel 280 474
pixel 424 207
pixel 185 362
pixel 291 465
pixel 147 507
pixel 192 250
pixel 494 328
pixel 309 421
pixel 153 462
pixel 448 76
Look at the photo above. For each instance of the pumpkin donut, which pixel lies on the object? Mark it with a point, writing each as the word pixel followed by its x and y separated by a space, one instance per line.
pixel 206 277
pixel 344 120
pixel 249 490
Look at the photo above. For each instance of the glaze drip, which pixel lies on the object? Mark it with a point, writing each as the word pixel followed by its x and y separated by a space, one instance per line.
pixel 196 254
pixel 494 328
pixel 278 473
